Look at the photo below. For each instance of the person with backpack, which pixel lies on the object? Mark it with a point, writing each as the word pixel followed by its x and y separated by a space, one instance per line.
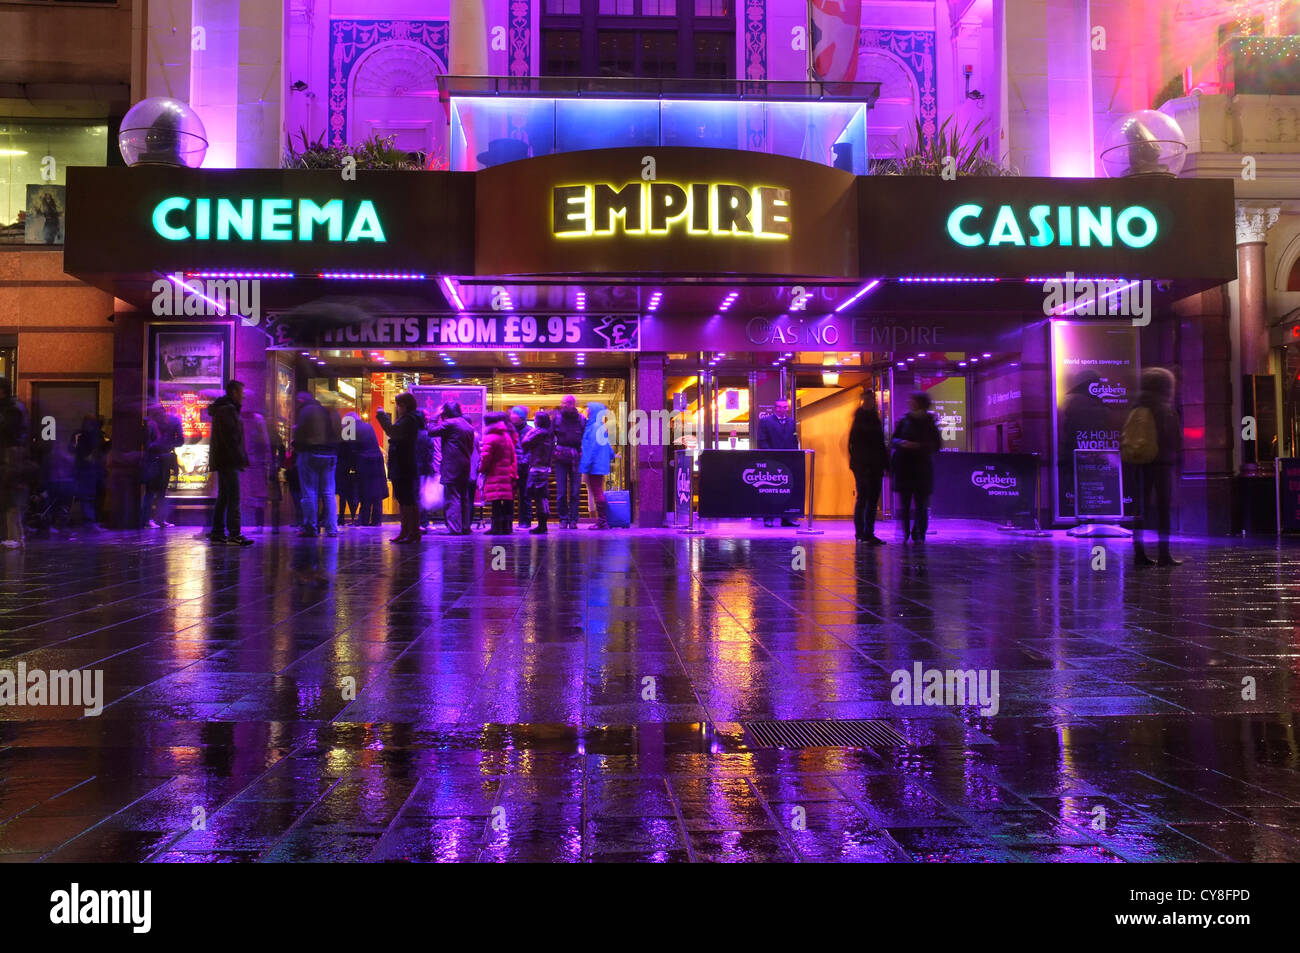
pixel 568 425
pixel 1151 443
pixel 316 447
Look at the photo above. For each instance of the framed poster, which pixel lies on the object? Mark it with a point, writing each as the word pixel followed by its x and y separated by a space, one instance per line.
pixel 283 399
pixel 46 209
pixel 187 369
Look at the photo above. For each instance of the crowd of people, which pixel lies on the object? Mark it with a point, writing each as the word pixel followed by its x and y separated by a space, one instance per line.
pixel 337 475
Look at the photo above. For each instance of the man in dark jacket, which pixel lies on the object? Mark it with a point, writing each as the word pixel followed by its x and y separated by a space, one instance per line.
pixel 568 427
pixel 916 440
pixel 457 436
pixel 227 456
pixel 316 446
pixel 776 431
pixel 1156 479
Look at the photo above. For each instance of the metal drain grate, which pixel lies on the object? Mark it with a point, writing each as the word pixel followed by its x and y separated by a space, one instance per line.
pixel 823 734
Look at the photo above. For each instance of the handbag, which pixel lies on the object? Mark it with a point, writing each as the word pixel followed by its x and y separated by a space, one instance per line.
pixel 432 496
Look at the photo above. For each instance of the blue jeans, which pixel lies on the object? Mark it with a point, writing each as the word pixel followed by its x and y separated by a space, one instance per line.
pixel 568 487
pixel 316 471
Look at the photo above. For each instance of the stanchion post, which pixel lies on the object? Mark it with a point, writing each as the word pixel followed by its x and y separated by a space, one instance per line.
pixel 812 496
pixel 690 503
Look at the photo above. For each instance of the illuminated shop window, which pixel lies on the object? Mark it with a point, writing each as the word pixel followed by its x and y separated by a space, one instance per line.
pixel 34 157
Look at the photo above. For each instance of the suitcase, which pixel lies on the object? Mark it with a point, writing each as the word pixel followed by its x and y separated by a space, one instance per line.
pixel 620 508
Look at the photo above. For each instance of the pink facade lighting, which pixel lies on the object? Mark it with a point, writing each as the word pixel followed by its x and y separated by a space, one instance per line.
pixel 728 301
pixel 653 304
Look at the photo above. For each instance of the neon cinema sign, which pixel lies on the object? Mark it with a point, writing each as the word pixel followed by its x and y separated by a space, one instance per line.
pixel 1134 226
pixel 179 219
pixel 656 208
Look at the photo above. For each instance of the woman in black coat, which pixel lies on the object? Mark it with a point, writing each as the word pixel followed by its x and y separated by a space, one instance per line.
pixel 868 459
pixel 402 469
pixel 916 440
pixel 371 476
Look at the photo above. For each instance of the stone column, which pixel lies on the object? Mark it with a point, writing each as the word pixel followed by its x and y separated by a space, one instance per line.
pixel 650 472
pixel 1253 223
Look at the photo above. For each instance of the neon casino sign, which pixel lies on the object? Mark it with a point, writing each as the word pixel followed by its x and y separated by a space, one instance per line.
pixel 657 208
pixel 179 219
pixel 1064 225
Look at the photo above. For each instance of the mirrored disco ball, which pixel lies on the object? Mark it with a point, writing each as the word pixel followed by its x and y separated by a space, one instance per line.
pixel 163 131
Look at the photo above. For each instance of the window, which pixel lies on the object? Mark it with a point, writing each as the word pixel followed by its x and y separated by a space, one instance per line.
pixel 691 39
pixel 34 155
pixel 617 53
pixel 562 53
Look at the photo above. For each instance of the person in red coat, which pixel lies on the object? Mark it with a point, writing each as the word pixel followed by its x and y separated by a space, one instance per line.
pixel 499 468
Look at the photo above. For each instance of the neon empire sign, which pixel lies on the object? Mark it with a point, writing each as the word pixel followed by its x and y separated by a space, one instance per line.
pixel 655 208
pixel 1134 226
pixel 179 219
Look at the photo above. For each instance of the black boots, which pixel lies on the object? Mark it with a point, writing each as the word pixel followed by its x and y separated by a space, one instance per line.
pixel 1142 560
pixel 410 523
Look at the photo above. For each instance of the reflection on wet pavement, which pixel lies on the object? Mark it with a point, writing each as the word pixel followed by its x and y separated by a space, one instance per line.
pixel 350 700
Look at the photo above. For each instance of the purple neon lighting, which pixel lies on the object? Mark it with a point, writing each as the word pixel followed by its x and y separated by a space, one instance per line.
pixel 1061 279
pixel 655 298
pixel 581 301
pixel 728 301
pixel 371 275
pixel 452 295
pixel 864 290
pixel 945 280
pixel 239 274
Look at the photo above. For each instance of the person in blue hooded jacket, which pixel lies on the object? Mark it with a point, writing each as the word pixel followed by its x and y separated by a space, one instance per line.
pixel 597 458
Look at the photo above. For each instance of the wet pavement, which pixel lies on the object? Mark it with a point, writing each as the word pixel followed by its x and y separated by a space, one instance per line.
pixel 582 698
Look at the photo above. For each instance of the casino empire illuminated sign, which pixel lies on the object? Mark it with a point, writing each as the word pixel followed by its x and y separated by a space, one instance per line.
pixel 664 208
pixel 179 219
